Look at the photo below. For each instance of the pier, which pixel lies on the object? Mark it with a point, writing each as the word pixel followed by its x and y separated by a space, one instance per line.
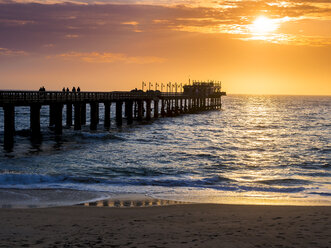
pixel 138 105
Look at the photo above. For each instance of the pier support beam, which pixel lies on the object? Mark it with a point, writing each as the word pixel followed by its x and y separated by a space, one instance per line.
pixel 83 114
pixel 169 110
pixel 181 105
pixel 176 107
pixel 129 112
pixel 69 115
pixel 35 121
pixel 148 110
pixel 119 117
pixel 78 116
pixel 9 126
pixel 58 117
pixel 94 111
pixel 172 107
pixel 194 105
pixel 106 123
pixel 51 114
pixel 140 110
pixel 156 108
pixel 163 113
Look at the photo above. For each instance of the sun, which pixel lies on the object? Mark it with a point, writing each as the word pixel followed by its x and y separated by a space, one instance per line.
pixel 263 25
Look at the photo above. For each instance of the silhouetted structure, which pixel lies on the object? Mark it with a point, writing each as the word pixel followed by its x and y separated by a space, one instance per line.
pixel 139 105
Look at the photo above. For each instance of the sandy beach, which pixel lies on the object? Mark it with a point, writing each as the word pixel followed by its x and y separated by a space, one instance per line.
pixel 188 225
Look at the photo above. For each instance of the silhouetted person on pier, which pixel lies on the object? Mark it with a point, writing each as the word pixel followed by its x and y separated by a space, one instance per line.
pixel 68 89
pixel 64 89
pixel 73 89
pixel 42 88
pixel 78 89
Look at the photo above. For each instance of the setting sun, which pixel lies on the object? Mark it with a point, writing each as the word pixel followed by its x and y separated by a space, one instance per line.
pixel 263 25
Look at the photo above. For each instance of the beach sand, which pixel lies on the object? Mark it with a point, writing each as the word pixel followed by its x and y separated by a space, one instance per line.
pixel 187 225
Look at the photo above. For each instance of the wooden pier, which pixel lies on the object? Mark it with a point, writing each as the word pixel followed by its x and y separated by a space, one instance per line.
pixel 139 105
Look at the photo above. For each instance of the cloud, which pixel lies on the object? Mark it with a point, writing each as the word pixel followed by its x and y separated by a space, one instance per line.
pixel 133 23
pixel 14 22
pixel 11 53
pixel 82 23
pixel 96 57
pixel 72 36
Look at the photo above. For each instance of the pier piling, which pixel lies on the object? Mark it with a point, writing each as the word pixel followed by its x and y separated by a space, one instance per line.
pixel 51 115
pixel 35 120
pixel 119 117
pixel 9 126
pixel 58 107
pixel 156 108
pixel 148 110
pixel 94 111
pixel 78 116
pixel 69 115
pixel 129 112
pixel 140 110
pixel 83 113
pixel 107 115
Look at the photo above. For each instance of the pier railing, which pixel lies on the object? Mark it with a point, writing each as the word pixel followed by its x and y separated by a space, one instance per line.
pixel 46 97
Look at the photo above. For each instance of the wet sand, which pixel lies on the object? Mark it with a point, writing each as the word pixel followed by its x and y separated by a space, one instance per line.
pixel 189 225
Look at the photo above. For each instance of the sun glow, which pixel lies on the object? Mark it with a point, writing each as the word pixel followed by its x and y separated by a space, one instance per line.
pixel 263 25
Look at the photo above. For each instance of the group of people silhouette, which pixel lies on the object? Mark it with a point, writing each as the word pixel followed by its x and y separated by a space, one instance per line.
pixel 73 89
pixel 63 89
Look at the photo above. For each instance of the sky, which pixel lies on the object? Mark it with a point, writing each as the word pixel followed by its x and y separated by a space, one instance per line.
pixel 252 46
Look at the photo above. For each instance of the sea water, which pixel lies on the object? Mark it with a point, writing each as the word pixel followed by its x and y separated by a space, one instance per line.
pixel 256 149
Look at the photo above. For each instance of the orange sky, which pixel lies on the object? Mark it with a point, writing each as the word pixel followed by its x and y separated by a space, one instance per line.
pixel 253 47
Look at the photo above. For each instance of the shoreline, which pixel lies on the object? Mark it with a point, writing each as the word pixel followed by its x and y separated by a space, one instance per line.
pixel 179 225
pixel 45 198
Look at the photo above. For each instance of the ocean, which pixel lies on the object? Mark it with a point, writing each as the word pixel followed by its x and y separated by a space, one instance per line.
pixel 256 150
